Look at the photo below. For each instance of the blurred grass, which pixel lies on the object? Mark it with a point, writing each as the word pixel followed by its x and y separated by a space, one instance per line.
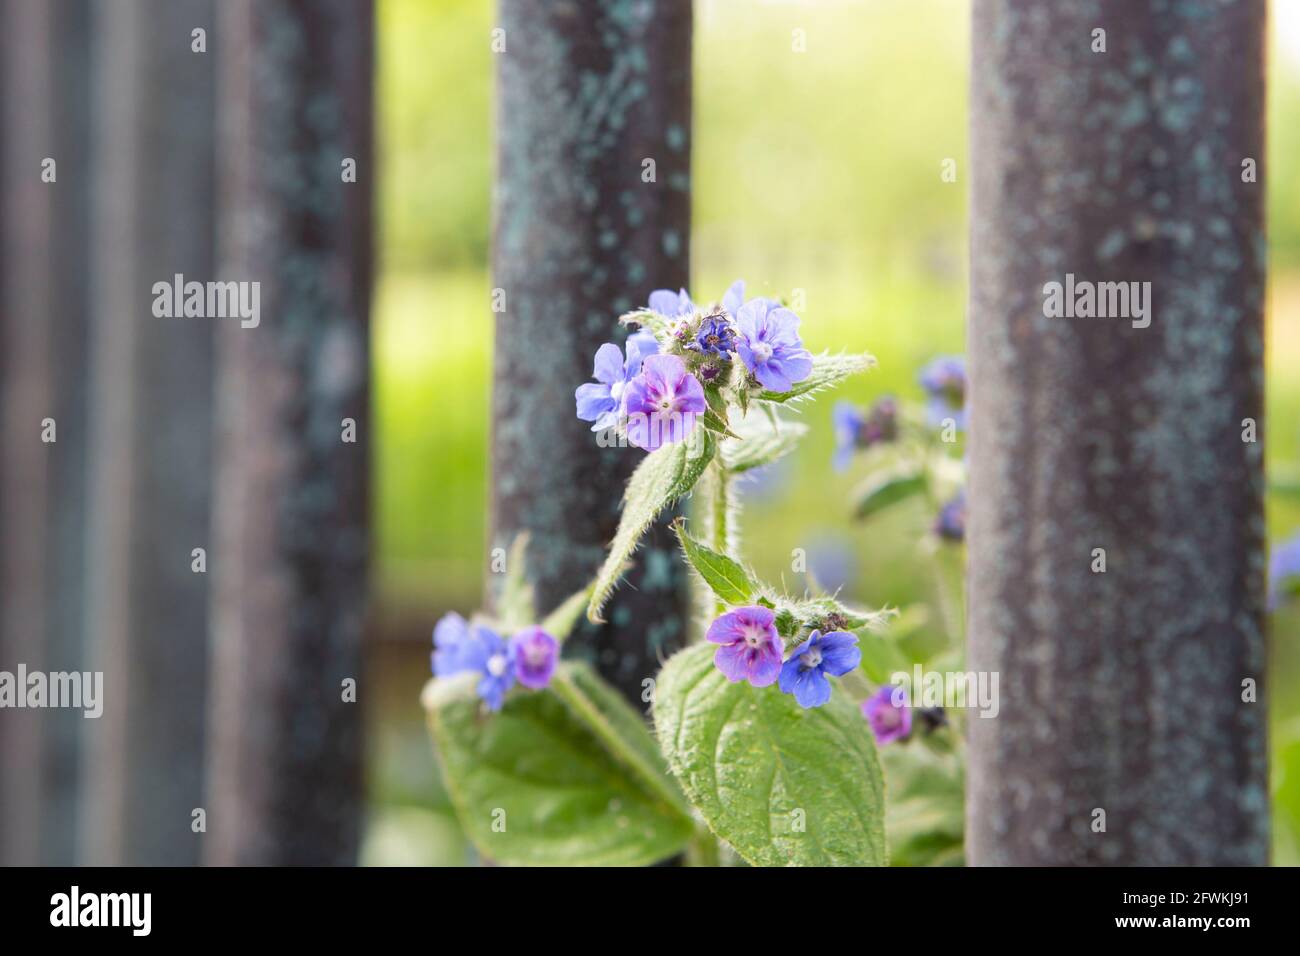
pixel 816 171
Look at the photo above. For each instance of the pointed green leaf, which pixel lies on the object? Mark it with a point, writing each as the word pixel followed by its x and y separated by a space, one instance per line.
pixel 515 607
pixel 828 371
pixel 538 783
pixel 781 784
pixel 879 492
pixel 663 476
pixel 561 622
pixel 725 576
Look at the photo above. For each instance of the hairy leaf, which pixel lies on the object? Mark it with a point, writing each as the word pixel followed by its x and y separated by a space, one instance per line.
pixel 828 614
pixel 763 442
pixel 663 476
pixel 828 371
pixel 539 783
pixel 726 577
pixel 781 784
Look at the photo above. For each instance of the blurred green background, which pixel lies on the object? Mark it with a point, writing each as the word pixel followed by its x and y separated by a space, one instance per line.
pixel 818 172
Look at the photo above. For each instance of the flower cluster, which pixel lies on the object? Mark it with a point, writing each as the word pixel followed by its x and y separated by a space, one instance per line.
pixel 944 381
pixel 750 649
pixel 657 390
pixel 857 430
pixel 460 646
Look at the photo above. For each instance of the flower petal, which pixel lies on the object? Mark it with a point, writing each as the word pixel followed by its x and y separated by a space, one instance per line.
pixel 609 364
pixel 731 659
pixel 840 653
pixel 593 400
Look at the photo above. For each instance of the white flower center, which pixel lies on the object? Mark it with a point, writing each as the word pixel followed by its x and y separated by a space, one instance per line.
pixel 496 665
pixel 616 390
pixel 762 352
pixel 812 657
pixel 535 655
pixel 755 637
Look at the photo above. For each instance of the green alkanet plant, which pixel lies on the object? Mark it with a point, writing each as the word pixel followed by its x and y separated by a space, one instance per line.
pixel 758 742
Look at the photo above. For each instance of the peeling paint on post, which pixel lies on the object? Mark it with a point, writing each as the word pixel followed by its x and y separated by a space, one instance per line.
pixel 587 94
pixel 1120 691
pixel 284 783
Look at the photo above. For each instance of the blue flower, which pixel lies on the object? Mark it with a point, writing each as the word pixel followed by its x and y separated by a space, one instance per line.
pixel 848 420
pixel 944 380
pixel 672 305
pixel 951 522
pixel 770 345
pixel 716 337
pixel 1284 573
pixel 461 647
pixel 488 654
pixel 734 298
pixel 449 638
pixel 804 674
pixel 602 402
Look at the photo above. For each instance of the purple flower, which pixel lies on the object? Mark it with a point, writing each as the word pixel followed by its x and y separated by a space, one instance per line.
pixel 951 522
pixel 662 402
pixel 855 429
pixel 804 674
pixel 488 654
pixel 770 346
pixel 751 648
pixel 535 653
pixel 671 304
pixel 888 714
pixel 944 380
pixel 449 638
pixel 1284 573
pixel 716 337
pixel 603 402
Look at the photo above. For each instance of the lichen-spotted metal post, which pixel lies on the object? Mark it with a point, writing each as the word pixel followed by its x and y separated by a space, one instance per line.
pixel 291 526
pixel 1116 538
pixel 592 212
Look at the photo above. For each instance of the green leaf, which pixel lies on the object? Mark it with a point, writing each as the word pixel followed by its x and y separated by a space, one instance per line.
pixel 924 811
pixel 828 371
pixel 568 776
pixel 515 607
pixel 762 443
pixel 663 476
pixel 561 622
pixel 726 577
pixel 879 492
pixel 757 765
